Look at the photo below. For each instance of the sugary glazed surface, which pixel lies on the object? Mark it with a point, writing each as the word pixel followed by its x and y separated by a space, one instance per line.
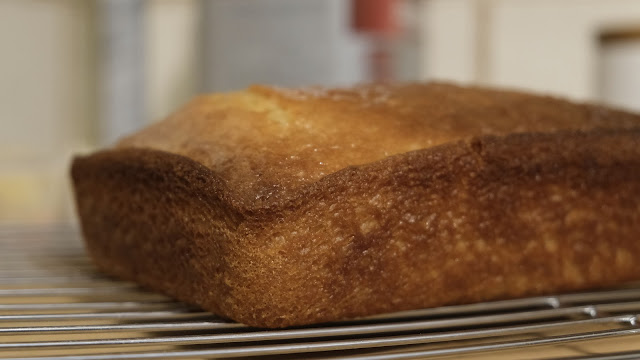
pixel 265 143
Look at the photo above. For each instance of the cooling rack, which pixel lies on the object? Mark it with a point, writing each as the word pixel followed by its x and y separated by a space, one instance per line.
pixel 54 305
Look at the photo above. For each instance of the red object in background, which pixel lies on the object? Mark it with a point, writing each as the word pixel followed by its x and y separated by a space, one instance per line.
pixel 375 16
pixel 378 19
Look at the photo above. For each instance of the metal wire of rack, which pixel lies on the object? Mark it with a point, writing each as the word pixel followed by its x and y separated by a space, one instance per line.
pixel 54 305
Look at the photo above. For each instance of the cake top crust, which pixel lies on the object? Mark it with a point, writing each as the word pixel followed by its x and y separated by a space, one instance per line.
pixel 266 143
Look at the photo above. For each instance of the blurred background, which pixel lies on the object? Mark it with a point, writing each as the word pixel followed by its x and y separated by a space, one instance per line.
pixel 75 74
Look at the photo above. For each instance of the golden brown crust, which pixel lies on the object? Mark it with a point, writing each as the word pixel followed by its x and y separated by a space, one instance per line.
pixel 547 200
pixel 266 143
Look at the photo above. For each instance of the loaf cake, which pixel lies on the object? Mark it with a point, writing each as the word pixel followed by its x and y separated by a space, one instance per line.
pixel 279 207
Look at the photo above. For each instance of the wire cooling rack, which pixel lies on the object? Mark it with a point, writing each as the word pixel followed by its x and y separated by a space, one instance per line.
pixel 54 305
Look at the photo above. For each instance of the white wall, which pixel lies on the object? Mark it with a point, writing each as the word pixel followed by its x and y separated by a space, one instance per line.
pixel 49 66
pixel 449 33
pixel 620 73
pixel 550 46
pixel 49 93
pixel 46 98
pixel 173 53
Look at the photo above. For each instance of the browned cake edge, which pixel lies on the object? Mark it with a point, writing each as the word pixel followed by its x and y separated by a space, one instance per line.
pixel 484 219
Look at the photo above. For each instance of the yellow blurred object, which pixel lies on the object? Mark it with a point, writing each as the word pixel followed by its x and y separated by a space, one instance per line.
pixel 23 197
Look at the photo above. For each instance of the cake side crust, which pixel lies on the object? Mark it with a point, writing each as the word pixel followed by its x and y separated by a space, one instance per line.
pixel 159 219
pixel 486 219
pixel 489 218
